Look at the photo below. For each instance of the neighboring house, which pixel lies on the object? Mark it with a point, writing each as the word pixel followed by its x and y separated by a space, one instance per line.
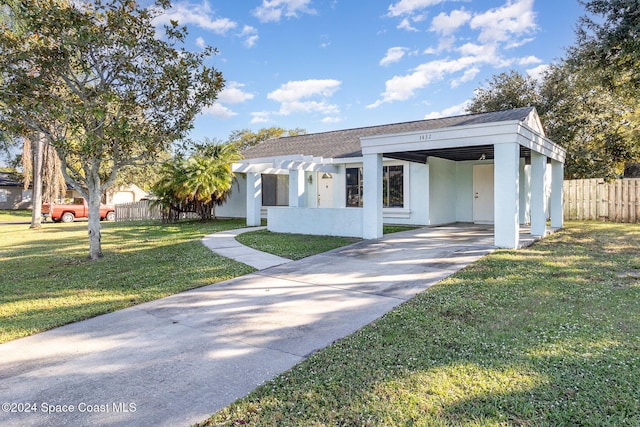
pixel 125 194
pixel 492 168
pixel 12 192
pixel 14 196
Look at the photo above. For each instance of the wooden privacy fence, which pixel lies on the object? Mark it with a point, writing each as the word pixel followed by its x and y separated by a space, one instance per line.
pixel 144 210
pixel 137 211
pixel 615 201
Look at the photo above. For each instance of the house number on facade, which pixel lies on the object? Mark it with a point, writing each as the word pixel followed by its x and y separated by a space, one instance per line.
pixel 425 137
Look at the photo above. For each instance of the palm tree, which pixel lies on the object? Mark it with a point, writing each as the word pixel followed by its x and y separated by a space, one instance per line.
pixel 198 183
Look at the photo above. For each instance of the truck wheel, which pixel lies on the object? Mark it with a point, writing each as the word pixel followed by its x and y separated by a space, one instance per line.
pixel 67 217
pixel 111 216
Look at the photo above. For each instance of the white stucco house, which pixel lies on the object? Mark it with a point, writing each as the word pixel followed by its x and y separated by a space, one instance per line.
pixel 491 168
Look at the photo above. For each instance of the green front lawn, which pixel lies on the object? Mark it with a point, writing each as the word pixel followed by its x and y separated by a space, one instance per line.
pixel 544 336
pixel 47 281
pixel 292 246
pixel 298 246
pixel 15 215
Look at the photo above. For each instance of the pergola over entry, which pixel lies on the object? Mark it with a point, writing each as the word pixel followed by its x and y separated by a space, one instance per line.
pixel 505 141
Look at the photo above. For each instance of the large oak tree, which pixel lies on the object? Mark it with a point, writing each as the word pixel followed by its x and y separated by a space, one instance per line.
pixel 102 85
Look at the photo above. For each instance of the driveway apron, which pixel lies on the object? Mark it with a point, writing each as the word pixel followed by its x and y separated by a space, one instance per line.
pixel 177 360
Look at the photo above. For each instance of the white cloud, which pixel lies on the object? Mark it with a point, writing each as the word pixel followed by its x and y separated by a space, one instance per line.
pixel 407 7
pixel 199 15
pixel 201 43
pixel 261 117
pixel 250 35
pixel 401 88
pixel 454 110
pixel 492 33
pixel 405 24
pixel 219 110
pixel 233 93
pixel 529 60
pixel 293 96
pixel 394 54
pixel 273 10
pixel 468 75
pixel 448 24
pixel 331 120
pixel 538 72
pixel 514 19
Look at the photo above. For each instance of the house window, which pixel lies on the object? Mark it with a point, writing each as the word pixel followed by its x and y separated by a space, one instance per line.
pixel 392 187
pixel 275 190
pixel 354 187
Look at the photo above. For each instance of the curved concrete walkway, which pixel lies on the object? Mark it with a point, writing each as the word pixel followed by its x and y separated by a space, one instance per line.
pixel 224 243
pixel 175 361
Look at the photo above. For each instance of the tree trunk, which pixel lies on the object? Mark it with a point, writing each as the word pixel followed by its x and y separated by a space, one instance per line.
pixel 36 197
pixel 95 246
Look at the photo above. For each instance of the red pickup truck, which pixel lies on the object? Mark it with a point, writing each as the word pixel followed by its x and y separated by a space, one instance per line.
pixel 78 208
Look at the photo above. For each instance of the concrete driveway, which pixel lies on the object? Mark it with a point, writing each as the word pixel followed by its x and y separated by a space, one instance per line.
pixel 177 360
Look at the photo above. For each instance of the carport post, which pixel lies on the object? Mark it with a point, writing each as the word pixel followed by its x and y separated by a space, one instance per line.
pixel 296 188
pixel 557 184
pixel 538 211
pixel 254 198
pixel 372 197
pixel 506 198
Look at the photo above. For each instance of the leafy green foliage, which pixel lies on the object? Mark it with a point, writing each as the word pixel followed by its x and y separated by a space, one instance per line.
pixel 246 138
pixel 102 88
pixel 506 91
pixel 197 183
pixel 611 41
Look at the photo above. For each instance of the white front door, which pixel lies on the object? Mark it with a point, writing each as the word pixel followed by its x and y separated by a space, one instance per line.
pixel 483 193
pixel 325 190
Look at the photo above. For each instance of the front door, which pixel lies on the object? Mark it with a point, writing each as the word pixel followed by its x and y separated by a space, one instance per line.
pixel 483 193
pixel 325 190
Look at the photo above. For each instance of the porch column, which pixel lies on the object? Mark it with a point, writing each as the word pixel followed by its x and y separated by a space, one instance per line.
pixel 372 197
pixel 525 200
pixel 296 188
pixel 557 184
pixel 506 171
pixel 254 198
pixel 538 211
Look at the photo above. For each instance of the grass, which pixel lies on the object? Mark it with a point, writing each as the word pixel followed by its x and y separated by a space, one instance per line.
pixel 544 336
pixel 292 246
pixel 298 246
pixel 15 215
pixel 47 281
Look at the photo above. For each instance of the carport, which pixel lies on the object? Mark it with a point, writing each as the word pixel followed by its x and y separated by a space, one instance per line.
pixel 511 143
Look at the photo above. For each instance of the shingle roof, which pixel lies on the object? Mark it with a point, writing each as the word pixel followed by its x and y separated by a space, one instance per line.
pixel 346 143
pixel 9 180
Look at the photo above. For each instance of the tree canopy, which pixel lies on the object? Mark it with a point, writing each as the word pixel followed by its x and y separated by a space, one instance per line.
pixel 246 138
pixel 101 85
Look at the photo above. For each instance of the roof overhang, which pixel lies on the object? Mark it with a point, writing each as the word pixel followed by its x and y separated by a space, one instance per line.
pixel 469 142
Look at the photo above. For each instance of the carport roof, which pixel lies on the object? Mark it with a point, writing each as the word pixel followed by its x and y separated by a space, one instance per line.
pixel 346 143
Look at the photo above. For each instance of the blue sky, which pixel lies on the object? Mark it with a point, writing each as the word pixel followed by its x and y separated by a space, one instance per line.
pixel 335 64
